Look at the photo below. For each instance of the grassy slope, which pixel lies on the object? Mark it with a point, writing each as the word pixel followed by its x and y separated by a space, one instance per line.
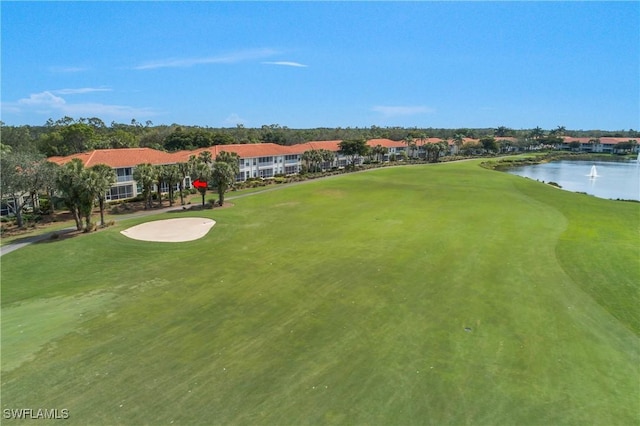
pixel 342 301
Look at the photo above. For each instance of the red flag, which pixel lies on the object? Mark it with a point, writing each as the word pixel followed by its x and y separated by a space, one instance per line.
pixel 199 184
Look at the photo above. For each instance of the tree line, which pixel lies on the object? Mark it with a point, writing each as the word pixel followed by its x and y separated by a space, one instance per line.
pixel 69 136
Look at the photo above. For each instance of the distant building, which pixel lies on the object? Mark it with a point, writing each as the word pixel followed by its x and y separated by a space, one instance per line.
pixel 597 145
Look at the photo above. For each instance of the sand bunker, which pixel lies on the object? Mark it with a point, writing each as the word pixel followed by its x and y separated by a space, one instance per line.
pixel 171 230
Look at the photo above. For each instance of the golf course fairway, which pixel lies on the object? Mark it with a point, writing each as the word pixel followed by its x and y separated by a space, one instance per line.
pixel 442 294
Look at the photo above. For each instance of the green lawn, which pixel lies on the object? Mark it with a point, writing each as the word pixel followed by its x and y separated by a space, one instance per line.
pixel 438 294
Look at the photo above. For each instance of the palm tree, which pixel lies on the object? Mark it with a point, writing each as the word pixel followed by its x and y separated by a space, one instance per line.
pixel 435 149
pixel 159 181
pixel 444 143
pixel 68 182
pixel 537 133
pixel 379 151
pixel 222 176
pixel 306 157
pixel 327 157
pixel 88 185
pixel 233 160
pixel 317 158
pixel 201 171
pixel 205 157
pixel 444 147
pixel 423 140
pixel 184 170
pixel 458 140
pixel 145 175
pixel 411 144
pixel 105 177
pixel 312 158
pixel 171 175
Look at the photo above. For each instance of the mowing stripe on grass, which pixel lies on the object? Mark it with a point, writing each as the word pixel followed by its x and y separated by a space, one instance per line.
pixel 444 294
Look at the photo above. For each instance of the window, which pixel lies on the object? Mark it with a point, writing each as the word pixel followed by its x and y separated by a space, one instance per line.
pixel 7 207
pixel 291 170
pixel 124 174
pixel 265 173
pixel 265 160
pixel 119 192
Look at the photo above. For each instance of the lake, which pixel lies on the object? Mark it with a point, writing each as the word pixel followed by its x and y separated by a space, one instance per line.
pixel 614 180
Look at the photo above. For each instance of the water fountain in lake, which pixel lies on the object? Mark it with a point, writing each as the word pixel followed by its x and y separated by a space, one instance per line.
pixel 593 173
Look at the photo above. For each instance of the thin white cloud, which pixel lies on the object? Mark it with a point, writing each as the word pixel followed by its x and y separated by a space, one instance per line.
pixel 106 110
pixel 230 58
pixel 286 64
pixel 68 69
pixel 79 91
pixel 48 103
pixel 9 108
pixel 234 119
pixel 42 99
pixel 394 111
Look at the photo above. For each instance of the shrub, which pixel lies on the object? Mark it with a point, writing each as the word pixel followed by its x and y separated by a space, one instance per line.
pixel 45 206
pixel 31 217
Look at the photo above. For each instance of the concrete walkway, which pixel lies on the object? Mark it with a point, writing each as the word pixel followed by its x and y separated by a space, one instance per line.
pixel 23 242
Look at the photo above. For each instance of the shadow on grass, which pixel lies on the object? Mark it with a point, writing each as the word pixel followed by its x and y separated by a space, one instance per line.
pixel 199 207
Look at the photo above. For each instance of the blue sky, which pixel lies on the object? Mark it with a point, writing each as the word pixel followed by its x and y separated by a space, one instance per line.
pixel 321 64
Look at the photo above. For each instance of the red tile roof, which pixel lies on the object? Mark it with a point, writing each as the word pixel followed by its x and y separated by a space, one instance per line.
pixel 603 140
pixel 328 145
pixel 243 151
pixel 253 150
pixel 387 143
pixel 125 157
